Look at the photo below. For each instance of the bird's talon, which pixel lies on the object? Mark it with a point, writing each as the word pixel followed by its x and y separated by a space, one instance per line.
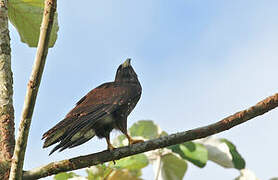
pixel 110 147
pixel 135 141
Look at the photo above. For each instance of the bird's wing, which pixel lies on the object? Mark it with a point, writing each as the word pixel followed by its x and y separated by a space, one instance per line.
pixel 98 103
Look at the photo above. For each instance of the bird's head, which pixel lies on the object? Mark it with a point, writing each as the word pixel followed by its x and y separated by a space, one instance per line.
pixel 125 73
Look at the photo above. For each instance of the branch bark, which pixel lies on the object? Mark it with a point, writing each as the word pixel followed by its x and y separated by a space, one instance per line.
pixel 32 90
pixel 6 95
pixel 105 156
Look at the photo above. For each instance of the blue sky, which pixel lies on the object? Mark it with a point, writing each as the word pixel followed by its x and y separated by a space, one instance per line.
pixel 197 62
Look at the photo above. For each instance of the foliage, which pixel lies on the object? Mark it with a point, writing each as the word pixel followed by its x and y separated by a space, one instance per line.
pixel 238 161
pixel 26 16
pixel 196 153
pixel 169 163
pixel 64 175
pixel 169 166
pixel 223 152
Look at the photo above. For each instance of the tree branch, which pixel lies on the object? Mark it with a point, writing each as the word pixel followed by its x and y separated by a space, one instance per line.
pixel 6 95
pixel 32 90
pixel 105 156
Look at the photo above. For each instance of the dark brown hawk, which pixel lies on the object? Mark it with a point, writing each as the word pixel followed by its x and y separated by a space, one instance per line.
pixel 99 112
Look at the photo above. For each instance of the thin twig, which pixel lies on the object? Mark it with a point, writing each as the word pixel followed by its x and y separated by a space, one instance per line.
pixel 32 90
pixel 105 156
pixel 158 168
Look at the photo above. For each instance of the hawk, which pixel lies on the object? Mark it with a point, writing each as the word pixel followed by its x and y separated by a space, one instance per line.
pixel 99 112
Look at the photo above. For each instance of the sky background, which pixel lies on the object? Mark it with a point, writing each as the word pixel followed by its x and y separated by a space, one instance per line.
pixel 198 62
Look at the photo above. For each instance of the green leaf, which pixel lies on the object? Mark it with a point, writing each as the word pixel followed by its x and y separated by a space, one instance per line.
pixel 37 3
pixel 144 128
pixel 163 133
pixel 238 161
pixel 222 152
pixel 135 162
pixel 172 167
pixel 193 152
pixel 26 16
pixel 127 167
pixel 65 176
pixel 122 174
pixel 98 172
pixel 119 140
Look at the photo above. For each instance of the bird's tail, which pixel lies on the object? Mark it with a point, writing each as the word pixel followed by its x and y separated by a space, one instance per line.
pixel 68 134
pixel 56 133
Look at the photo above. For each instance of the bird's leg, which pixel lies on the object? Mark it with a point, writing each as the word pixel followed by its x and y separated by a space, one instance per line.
pixel 131 140
pixel 110 147
pixel 122 126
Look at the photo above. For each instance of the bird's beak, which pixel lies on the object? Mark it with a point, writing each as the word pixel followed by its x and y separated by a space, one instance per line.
pixel 126 63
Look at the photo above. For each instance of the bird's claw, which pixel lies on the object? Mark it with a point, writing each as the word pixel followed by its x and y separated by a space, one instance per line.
pixel 110 147
pixel 135 141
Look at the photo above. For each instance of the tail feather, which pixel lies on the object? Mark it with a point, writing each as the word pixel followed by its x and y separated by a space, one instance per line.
pixel 54 138
pixel 57 133
pixel 76 139
pixel 71 144
pixel 79 142
pixel 55 149
pixel 71 132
